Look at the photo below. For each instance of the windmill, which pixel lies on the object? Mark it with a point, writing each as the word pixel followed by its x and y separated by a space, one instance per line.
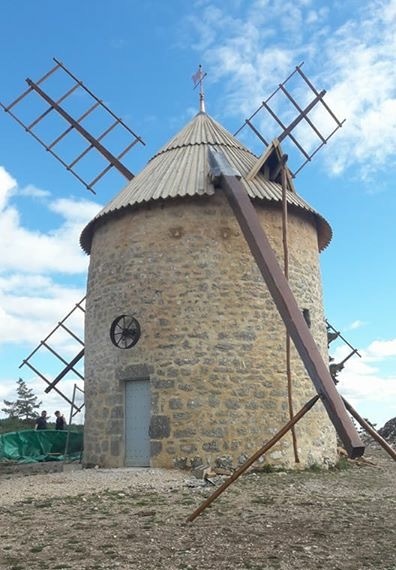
pixel 125 329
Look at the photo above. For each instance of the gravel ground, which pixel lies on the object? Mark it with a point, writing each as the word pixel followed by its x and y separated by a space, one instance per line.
pixel 136 518
pixel 77 482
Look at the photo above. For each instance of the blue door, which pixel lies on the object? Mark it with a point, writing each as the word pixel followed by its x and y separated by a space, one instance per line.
pixel 137 423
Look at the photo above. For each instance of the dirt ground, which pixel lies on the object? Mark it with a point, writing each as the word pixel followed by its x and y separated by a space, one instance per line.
pixel 340 519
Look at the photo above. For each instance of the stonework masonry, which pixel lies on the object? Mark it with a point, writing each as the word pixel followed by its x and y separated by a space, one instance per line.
pixel 212 344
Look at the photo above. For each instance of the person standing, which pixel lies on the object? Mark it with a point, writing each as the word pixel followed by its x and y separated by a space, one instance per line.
pixel 41 421
pixel 60 422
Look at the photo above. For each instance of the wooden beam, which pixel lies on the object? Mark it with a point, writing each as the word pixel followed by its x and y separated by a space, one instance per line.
pixel 254 458
pixel 262 159
pixel 67 369
pixel 370 430
pixel 228 180
pixel 78 127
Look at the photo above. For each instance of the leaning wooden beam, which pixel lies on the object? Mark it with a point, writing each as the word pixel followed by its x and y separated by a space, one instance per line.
pixel 369 429
pixel 254 458
pixel 67 369
pixel 228 179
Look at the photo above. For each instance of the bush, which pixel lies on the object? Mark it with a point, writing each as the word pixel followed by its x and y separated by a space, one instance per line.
pixel 14 424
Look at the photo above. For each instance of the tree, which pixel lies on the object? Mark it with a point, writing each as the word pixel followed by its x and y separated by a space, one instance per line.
pixel 25 405
pixel 10 410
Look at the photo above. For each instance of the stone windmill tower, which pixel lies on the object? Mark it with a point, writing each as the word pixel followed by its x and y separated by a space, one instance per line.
pixel 188 358
pixel 205 382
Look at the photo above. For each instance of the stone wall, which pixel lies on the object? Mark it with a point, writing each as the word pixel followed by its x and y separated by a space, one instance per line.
pixel 212 344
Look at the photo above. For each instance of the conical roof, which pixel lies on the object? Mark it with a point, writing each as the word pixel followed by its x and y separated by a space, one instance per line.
pixel 181 168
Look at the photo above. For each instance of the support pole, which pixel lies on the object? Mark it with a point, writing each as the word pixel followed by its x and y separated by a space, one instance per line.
pixel 254 458
pixel 246 215
pixel 285 239
pixel 69 424
pixel 369 429
pixel 67 369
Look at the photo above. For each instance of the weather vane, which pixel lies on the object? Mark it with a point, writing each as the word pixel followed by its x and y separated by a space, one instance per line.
pixel 198 78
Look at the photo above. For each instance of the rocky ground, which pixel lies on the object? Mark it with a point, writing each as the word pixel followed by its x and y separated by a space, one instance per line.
pixel 101 519
pixel 388 431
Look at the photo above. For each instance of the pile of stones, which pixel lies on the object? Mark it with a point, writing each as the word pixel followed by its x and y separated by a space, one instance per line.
pixel 388 432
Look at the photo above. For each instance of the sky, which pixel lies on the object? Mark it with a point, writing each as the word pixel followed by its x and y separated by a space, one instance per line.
pixel 138 58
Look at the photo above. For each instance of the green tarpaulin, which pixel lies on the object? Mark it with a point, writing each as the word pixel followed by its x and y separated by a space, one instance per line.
pixel 31 446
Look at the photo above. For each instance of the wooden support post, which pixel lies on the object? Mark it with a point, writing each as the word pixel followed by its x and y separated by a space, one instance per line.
pixel 254 458
pixel 370 430
pixel 285 239
pixel 67 368
pixel 284 299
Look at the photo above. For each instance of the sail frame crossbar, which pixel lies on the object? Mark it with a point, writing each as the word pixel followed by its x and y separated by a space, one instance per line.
pixel 76 125
pixel 69 364
pixel 303 115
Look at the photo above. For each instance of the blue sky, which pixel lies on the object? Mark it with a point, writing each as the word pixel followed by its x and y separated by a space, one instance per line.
pixel 139 58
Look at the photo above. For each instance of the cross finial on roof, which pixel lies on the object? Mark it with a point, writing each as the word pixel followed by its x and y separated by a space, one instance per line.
pixel 198 78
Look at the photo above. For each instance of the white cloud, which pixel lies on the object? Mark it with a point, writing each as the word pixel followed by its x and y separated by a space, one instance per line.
pixel 355 60
pixel 34 192
pixel 30 251
pixel 363 74
pixel 366 386
pixel 356 325
pixel 25 284
pixel 7 184
pixel 77 212
pixel 380 349
pixel 316 16
pixel 34 251
pixel 34 295
pixel 28 318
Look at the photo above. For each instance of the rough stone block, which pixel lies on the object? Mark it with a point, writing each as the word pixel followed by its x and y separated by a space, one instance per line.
pixel 175 404
pixel 163 384
pixel 185 433
pixel 159 427
pixel 115 447
pixel 155 448
pixel 117 412
pixel 210 446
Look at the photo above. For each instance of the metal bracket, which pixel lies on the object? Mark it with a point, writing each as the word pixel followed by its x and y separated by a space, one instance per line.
pixel 218 165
